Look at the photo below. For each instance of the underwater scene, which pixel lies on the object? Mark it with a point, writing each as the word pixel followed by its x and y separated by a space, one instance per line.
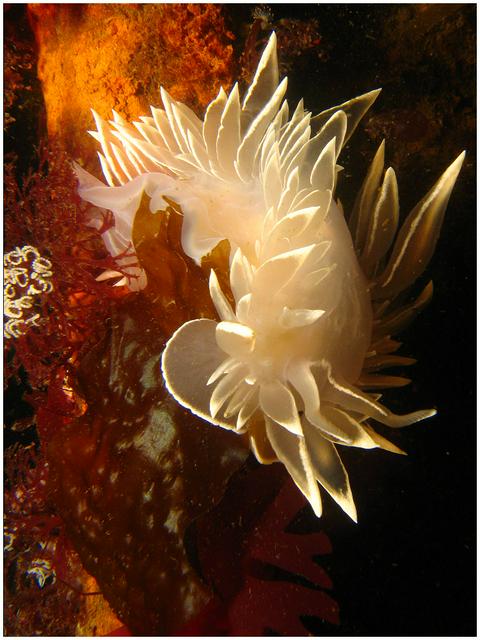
pixel 239 319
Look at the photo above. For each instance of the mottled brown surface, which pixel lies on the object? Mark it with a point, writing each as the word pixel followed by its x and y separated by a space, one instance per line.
pixel 177 288
pixel 131 474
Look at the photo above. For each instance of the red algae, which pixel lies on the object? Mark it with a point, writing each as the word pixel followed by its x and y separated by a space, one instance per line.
pixel 43 211
pixel 256 551
pixel 46 213
pixel 47 592
pixel 45 586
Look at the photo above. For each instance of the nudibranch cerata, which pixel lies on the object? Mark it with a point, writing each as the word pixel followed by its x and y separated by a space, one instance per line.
pixel 293 362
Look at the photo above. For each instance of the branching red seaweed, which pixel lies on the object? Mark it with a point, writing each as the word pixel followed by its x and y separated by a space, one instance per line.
pixel 41 569
pixel 45 213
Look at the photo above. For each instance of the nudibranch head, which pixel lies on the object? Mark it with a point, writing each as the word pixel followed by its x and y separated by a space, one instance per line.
pixel 292 361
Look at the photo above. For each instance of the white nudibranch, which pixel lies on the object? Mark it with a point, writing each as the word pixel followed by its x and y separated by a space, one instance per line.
pixel 293 362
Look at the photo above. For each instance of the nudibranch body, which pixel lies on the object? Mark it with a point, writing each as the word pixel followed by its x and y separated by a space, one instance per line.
pixel 292 362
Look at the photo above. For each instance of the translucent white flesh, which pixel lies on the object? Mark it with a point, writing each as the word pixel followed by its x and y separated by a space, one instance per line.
pixel 293 347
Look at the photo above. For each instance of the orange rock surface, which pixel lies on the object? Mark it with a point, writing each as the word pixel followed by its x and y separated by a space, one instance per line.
pixel 105 56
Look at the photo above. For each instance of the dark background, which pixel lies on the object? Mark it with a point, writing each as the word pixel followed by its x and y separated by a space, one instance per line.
pixel 408 567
